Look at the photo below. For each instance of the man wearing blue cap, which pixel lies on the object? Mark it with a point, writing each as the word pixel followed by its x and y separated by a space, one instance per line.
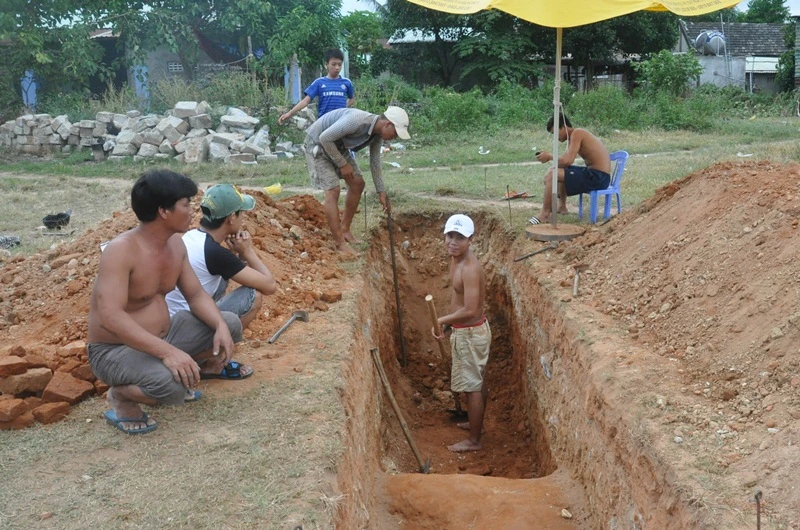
pixel 215 266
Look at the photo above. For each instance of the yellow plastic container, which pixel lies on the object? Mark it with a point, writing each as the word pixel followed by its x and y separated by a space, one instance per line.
pixel 273 190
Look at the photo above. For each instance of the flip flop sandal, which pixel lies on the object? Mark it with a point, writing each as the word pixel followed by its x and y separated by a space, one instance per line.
pixel 194 396
pixel 111 417
pixel 232 370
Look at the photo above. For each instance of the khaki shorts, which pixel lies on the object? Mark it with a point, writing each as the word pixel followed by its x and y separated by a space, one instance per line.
pixel 117 364
pixel 470 350
pixel 324 173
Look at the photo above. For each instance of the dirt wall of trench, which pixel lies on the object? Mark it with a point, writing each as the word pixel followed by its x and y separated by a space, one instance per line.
pixel 589 428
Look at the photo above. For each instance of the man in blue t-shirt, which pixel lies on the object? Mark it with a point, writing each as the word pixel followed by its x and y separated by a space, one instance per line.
pixel 334 92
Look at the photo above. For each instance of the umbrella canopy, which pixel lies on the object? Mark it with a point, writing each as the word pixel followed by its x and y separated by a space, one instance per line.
pixel 560 14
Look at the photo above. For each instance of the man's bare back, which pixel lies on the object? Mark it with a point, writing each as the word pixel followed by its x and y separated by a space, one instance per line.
pixel 590 149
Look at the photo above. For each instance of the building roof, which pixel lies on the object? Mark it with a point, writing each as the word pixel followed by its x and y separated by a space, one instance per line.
pixel 744 38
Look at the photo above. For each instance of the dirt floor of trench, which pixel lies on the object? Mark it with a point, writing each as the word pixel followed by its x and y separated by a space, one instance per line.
pixel 674 377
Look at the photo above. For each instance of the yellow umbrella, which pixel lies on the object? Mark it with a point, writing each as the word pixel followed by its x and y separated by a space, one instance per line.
pixel 565 14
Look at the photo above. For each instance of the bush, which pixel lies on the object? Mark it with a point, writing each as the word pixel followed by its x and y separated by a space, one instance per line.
pixel 605 108
pixel 374 94
pixel 513 104
pixel 668 72
pixel 447 110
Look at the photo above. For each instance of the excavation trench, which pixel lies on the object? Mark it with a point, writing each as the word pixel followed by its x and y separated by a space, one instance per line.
pixel 552 442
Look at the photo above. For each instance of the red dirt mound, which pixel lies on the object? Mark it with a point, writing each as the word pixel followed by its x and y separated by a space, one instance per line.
pixel 44 300
pixel 705 274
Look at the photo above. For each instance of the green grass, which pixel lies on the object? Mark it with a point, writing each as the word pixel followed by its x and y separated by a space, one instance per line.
pixel 447 165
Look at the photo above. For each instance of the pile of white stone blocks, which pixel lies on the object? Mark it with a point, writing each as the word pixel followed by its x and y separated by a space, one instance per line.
pixel 185 134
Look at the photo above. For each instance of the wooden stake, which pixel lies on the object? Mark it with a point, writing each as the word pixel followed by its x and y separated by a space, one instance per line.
pixel 424 466
pixel 435 323
pixel 445 355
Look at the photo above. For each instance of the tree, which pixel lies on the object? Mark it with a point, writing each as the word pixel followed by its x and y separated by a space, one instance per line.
pixel 668 72
pixel 771 11
pixel 726 15
pixel 504 47
pixel 362 33
pixel 640 33
pixel 444 31
pixel 784 76
pixel 51 36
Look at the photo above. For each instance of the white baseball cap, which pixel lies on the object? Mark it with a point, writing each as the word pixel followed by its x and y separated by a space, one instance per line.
pixel 399 119
pixel 460 223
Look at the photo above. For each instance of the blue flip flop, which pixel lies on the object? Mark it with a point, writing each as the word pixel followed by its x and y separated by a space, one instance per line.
pixel 111 417
pixel 232 370
pixel 194 396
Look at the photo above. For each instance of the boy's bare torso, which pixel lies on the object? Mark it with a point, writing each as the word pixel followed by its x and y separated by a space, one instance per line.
pixel 457 269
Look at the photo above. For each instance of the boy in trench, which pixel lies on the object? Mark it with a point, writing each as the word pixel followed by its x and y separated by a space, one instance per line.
pixel 471 336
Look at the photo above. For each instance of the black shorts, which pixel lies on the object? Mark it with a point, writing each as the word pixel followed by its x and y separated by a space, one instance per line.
pixel 581 179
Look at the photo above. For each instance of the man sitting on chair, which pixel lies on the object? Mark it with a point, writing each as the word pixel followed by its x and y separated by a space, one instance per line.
pixel 573 180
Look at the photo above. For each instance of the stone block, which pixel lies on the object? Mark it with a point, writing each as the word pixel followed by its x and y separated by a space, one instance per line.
pixel 197 133
pixel 218 152
pixel 236 146
pixel 148 150
pixel 13 365
pixel 60 261
pixel 35 361
pixel 166 148
pixel 120 121
pixel 152 136
pixel 32 402
pixel 51 412
pixel 69 366
pixel 243 122
pixel 133 114
pixel 84 372
pixel 55 139
pixel 104 117
pixel 65 387
pixel 200 121
pixel 252 149
pixel 185 109
pixel 124 150
pixel 145 123
pixel 73 350
pixel 195 152
pixel 22 421
pixel 11 408
pixel 227 138
pixel 34 380
pixel 241 158
pixel 87 124
pixel 331 296
pixel 271 157
pixel 100 387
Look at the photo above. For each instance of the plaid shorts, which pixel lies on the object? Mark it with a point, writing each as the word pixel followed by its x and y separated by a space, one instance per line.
pixel 324 173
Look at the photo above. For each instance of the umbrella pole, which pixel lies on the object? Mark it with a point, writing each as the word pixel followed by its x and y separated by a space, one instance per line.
pixel 556 105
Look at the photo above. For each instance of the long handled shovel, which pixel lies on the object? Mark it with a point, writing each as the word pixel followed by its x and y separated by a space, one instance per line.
pixel 424 467
pixel 458 411
pixel 390 226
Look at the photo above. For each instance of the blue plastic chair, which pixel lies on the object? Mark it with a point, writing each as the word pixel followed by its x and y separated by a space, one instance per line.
pixel 618 160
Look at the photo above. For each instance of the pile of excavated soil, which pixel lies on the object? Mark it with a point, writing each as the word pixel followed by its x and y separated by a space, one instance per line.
pixel 44 303
pixel 705 274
